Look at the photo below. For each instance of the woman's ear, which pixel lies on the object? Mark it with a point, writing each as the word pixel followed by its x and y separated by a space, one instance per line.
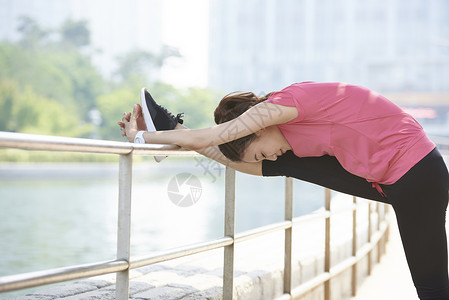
pixel 259 132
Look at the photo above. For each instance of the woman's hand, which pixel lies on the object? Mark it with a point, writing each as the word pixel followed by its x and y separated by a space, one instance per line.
pixel 132 123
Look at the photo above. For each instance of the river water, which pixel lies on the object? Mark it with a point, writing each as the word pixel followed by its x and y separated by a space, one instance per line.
pixel 57 215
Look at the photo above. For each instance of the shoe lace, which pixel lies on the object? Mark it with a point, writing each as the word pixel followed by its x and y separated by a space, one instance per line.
pixel 178 116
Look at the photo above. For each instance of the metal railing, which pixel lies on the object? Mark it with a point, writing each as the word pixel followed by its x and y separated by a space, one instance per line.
pixel 377 237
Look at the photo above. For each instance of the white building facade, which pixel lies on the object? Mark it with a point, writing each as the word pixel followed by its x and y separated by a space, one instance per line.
pixel 386 45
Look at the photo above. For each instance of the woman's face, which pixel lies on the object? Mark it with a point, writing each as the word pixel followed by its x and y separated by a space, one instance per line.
pixel 269 144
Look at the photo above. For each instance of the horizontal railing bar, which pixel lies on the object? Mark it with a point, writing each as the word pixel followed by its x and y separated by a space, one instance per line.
pixel 201 247
pixel 310 284
pixel 343 266
pixel 157 149
pixel 323 214
pixel 340 267
pixel 38 278
pixel 225 241
pixel 26 280
pixel 369 246
pixel 342 210
pixel 253 233
pixel 165 255
pixel 284 297
pixel 307 218
pixel 57 143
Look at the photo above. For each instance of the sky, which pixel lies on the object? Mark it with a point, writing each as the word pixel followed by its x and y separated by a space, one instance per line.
pixel 186 27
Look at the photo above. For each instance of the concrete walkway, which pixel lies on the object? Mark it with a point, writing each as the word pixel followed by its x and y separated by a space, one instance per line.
pixel 390 280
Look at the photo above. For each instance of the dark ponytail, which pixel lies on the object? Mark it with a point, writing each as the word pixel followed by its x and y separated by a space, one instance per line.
pixel 229 108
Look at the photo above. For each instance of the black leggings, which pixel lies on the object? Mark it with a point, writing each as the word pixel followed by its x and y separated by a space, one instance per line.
pixel 419 199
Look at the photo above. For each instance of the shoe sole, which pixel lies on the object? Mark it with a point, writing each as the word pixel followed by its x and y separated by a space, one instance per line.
pixel 147 117
pixel 146 112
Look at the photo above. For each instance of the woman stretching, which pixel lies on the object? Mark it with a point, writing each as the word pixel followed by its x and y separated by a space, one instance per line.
pixel 336 135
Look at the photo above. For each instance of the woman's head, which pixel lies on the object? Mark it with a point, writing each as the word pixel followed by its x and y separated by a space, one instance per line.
pixel 268 144
pixel 229 108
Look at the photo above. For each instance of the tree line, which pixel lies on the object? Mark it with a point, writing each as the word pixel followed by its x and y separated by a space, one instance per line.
pixel 49 85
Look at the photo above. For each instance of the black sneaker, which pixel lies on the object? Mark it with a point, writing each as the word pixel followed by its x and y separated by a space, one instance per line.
pixel 156 116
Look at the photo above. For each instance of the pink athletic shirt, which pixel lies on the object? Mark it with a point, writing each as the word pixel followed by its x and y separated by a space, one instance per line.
pixel 369 135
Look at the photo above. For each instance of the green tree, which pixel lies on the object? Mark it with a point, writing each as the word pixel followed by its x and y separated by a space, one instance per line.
pixel 32 34
pixel 50 88
pixel 27 112
pixel 75 33
pixel 112 106
pixel 50 117
pixel 56 70
pixel 85 81
pixel 140 65
pixel 8 93
pixel 134 62
pixel 66 76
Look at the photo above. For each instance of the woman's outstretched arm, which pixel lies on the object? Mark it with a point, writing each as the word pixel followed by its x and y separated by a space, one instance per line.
pixel 212 152
pixel 254 119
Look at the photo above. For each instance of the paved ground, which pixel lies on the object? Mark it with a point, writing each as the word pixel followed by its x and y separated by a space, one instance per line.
pixel 390 280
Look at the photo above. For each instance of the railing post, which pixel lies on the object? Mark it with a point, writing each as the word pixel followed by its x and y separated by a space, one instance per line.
pixel 385 237
pixel 288 236
pixel 228 263
pixel 354 247
pixel 387 232
pixel 370 233
pixel 327 244
pixel 379 243
pixel 124 224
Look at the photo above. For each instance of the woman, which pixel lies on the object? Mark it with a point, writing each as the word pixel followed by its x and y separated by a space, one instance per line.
pixel 340 136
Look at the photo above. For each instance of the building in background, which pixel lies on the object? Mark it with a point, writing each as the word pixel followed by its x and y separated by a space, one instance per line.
pixel 386 45
pixel 116 26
